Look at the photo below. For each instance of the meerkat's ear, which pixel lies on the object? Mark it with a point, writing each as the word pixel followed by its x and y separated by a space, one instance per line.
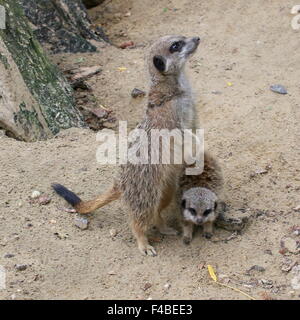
pixel 159 63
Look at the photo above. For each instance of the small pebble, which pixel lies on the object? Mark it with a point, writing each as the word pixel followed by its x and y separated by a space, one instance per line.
pixel 278 88
pixel 21 267
pixel 44 199
pixel 137 93
pixel 297 208
pixel 147 286
pixel 256 268
pixel 35 194
pixel 267 284
pixel 9 255
pixel 167 286
pixel 290 245
pixel 81 223
pixel 126 44
pixel 111 273
pixel 113 232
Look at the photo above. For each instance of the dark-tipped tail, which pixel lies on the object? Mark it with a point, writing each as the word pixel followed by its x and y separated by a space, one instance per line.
pixel 68 195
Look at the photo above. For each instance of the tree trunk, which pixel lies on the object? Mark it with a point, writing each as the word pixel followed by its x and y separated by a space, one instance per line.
pixel 62 25
pixel 92 3
pixel 35 99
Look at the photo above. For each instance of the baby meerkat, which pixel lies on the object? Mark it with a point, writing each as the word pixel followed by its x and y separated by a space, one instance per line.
pixel 199 207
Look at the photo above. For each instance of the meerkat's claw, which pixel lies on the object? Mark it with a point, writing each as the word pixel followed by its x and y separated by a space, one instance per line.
pixel 168 231
pixel 148 251
pixel 207 235
pixel 187 240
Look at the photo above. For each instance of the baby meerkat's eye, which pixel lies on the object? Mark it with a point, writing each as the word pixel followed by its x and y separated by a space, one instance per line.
pixel 192 211
pixel 207 212
pixel 177 46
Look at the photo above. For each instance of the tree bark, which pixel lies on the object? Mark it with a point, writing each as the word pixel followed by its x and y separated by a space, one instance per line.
pixel 36 101
pixel 62 25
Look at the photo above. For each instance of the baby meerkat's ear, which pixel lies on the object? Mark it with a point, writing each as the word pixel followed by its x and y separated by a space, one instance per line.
pixel 159 63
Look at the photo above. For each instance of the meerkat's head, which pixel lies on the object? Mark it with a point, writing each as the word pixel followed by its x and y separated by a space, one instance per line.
pixel 169 54
pixel 199 205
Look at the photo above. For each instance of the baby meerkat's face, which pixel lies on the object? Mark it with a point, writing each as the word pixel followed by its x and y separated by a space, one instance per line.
pixel 199 206
pixel 170 53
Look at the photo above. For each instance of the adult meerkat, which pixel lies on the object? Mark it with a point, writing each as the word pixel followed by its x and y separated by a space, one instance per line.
pixel 147 189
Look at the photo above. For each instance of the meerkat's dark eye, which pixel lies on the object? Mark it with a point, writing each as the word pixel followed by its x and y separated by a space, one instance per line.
pixel 207 212
pixel 183 204
pixel 176 46
pixel 216 205
pixel 192 211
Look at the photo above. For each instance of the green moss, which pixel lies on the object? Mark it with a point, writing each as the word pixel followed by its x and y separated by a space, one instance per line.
pixel 29 121
pixel 4 61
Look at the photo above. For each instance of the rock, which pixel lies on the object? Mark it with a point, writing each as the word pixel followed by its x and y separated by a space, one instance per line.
pixel 111 273
pixel 256 268
pixel 216 92
pixel 61 235
pixel 35 194
pixel 8 255
pixel 113 232
pixel 81 223
pixel 297 208
pixel 267 284
pixel 231 222
pixel 44 199
pixel 167 286
pixel 288 264
pixel 290 244
pixel 84 72
pixel 126 44
pixel 278 88
pixel 251 283
pixel 20 267
pixel 296 230
pixel 137 93
pixel 295 282
pixel 147 285
pixel 268 251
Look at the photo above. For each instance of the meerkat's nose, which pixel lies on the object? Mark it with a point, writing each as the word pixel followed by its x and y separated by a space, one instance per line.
pixel 196 39
pixel 199 220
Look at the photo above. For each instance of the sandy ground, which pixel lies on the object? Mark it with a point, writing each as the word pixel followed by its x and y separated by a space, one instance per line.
pixel 249 44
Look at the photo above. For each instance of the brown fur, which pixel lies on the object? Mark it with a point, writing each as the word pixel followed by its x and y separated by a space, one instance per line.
pixel 149 188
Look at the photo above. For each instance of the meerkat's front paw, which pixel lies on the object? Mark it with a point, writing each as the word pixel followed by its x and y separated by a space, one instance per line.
pixel 207 235
pixel 187 240
pixel 147 250
pixel 168 231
